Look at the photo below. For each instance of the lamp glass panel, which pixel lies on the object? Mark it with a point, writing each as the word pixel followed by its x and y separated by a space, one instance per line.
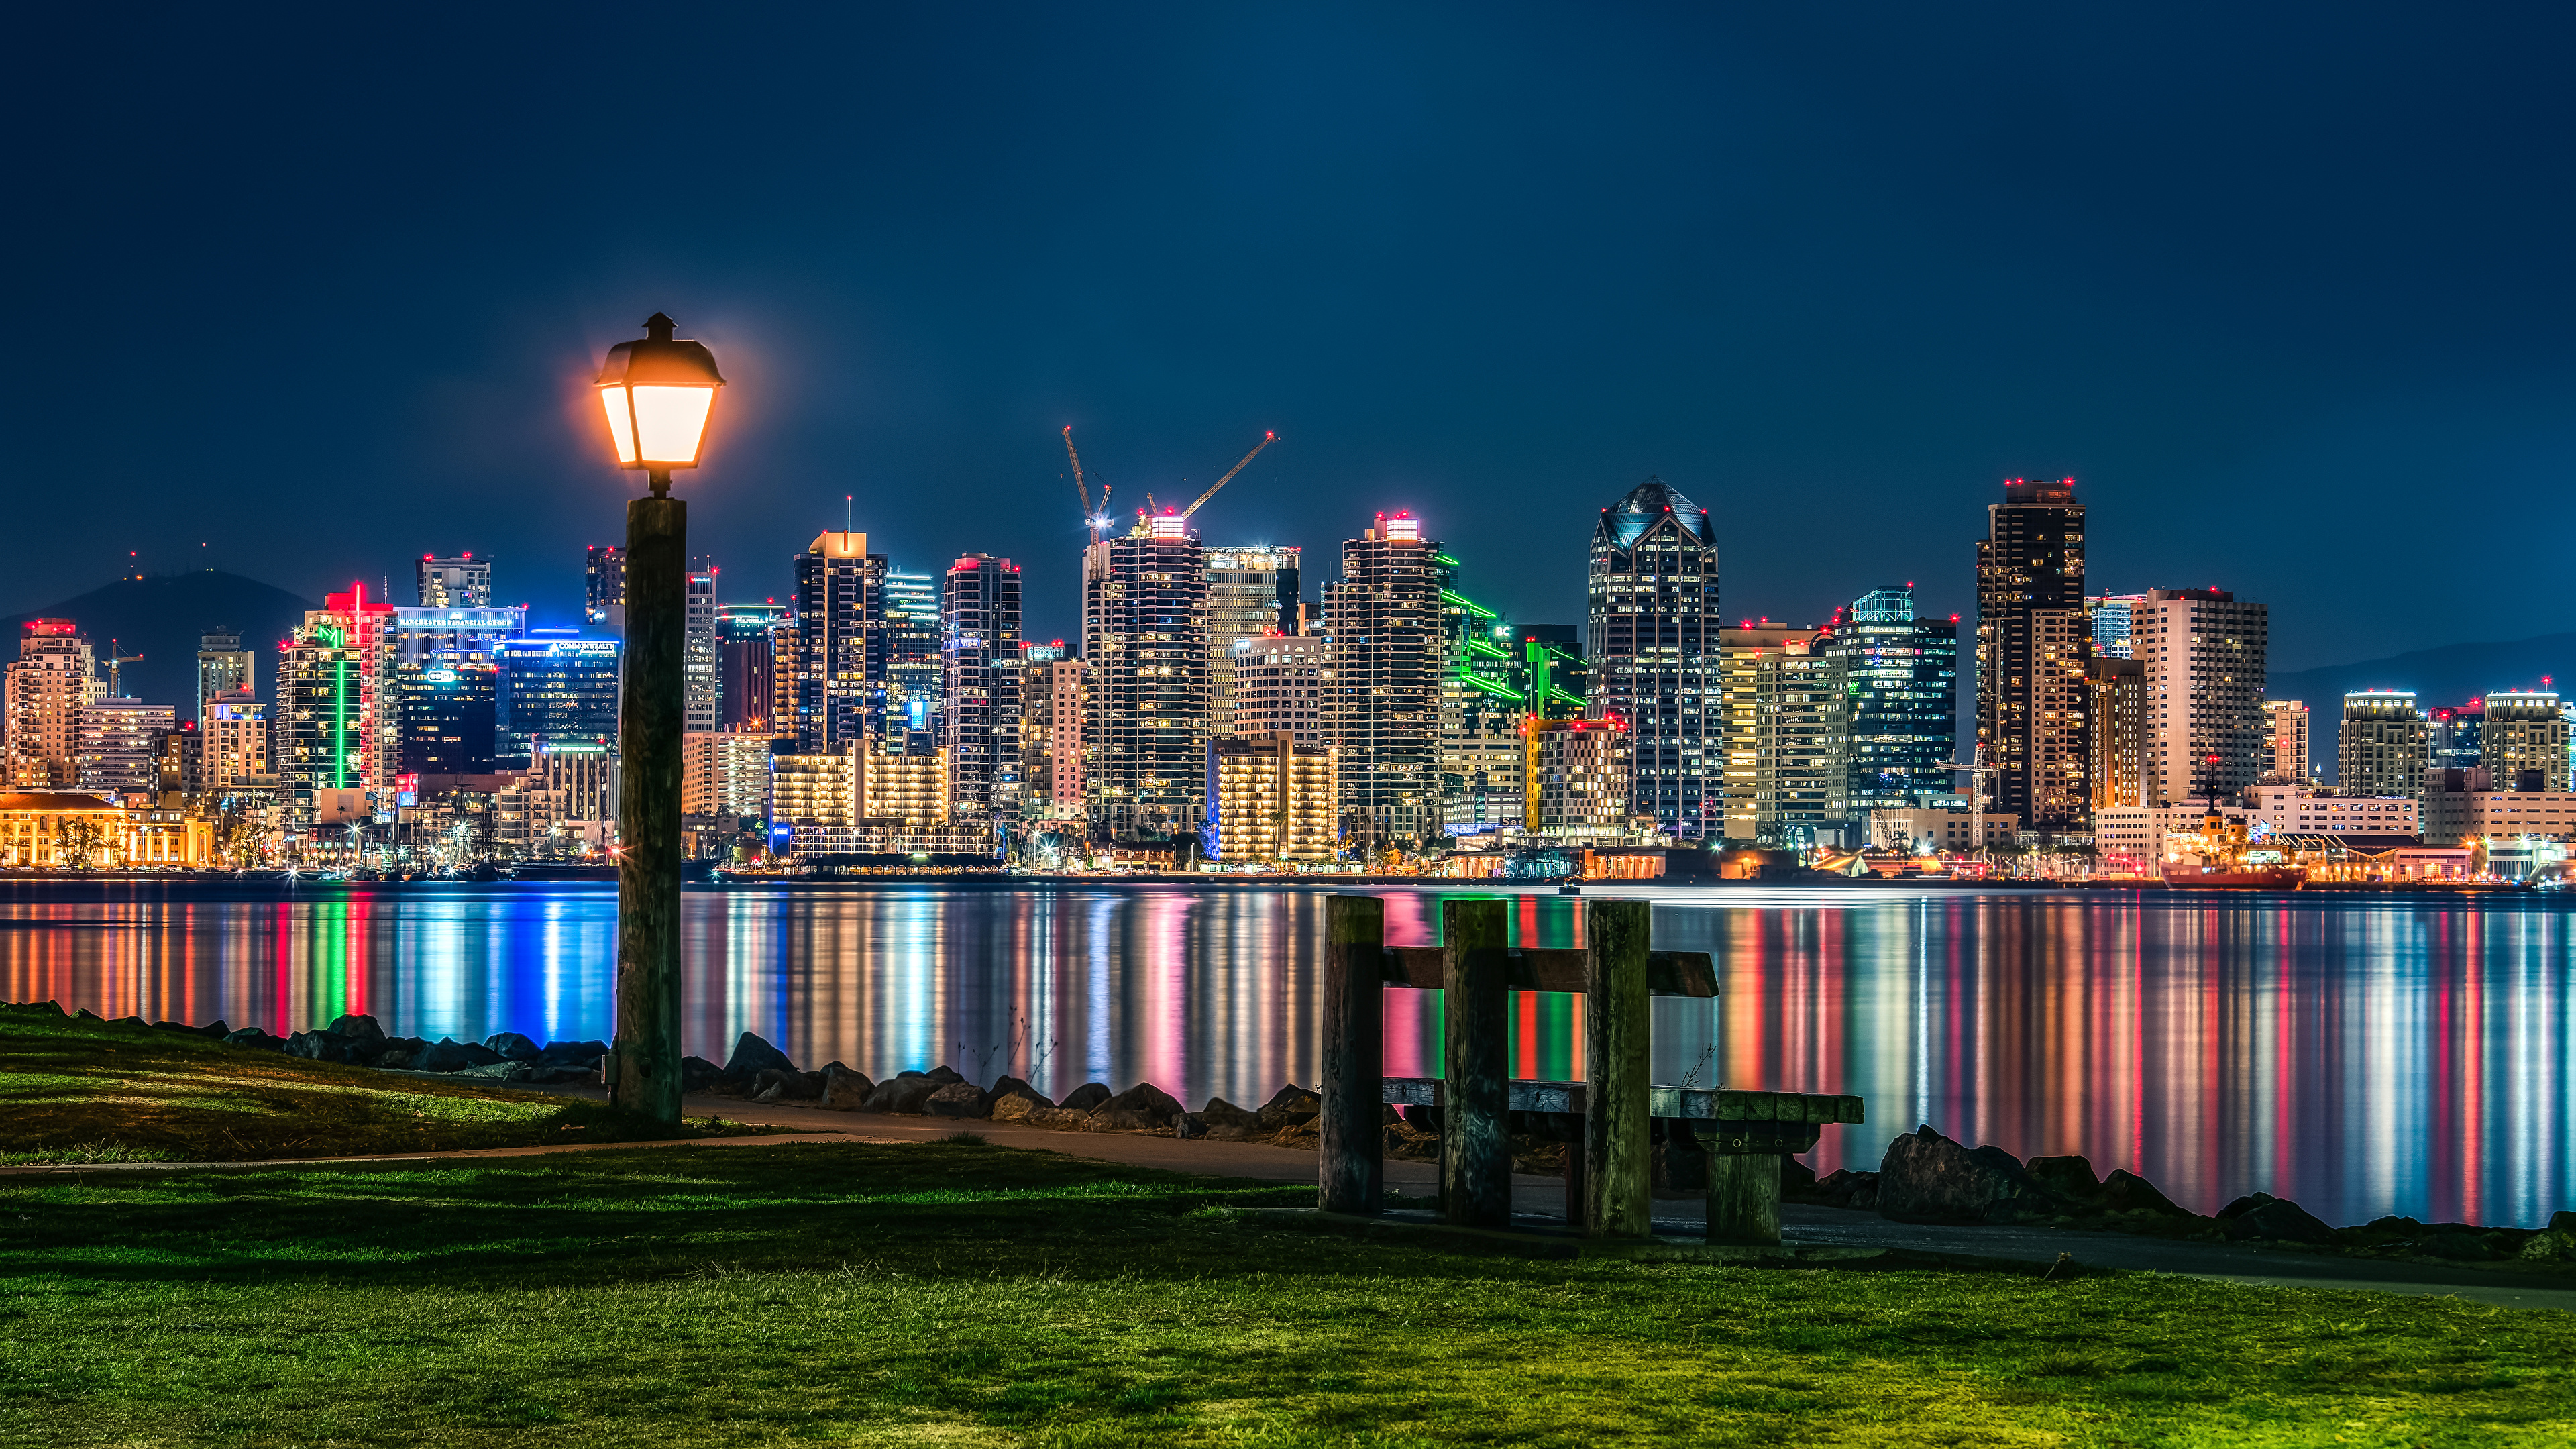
pixel 620 427
pixel 670 420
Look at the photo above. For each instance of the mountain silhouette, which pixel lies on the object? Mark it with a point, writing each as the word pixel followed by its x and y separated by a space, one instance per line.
pixel 2449 674
pixel 160 617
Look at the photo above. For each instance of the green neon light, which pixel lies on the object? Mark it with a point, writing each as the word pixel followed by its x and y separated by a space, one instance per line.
pixel 1453 597
pixel 340 723
pixel 1503 691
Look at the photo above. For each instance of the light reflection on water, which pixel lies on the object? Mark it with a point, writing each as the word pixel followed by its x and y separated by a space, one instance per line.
pixel 2364 1056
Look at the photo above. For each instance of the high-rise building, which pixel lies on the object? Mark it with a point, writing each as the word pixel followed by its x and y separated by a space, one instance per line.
pixel 1052 750
pixel 557 689
pixel 904 781
pixel 1251 591
pixel 2204 651
pixel 2379 746
pixel 1741 649
pixel 120 744
pixel 1482 762
pixel 1144 634
pixel 815 792
pixel 603 580
pixel 979 647
pixel 223 667
pixel 701 682
pixel 1270 798
pixel 1577 773
pixel 1801 717
pixel 462 582
pixel 447 687
pixel 1384 618
pixel 1899 732
pixel 724 775
pixel 2119 730
pixel 2452 736
pixel 841 636
pixel 746 664
pixel 233 741
pixel 915 687
pixel 2033 640
pixel 1283 684
pixel 2285 742
pixel 337 725
pixel 2109 622
pixel 2523 742
pixel 52 680
pixel 1653 639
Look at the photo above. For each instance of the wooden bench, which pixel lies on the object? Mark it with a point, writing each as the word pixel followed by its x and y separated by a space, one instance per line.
pixel 1609 1173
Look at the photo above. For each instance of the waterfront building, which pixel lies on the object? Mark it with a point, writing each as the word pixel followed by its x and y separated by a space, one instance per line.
pixel 1482 770
pixel 67 829
pixel 223 667
pixel 1740 652
pixel 1271 798
pixel 2033 640
pixel 2137 839
pixel 52 680
pixel 2460 807
pixel 603 584
pixel 2204 652
pixel 905 782
pixel 337 721
pixel 2285 742
pixel 462 582
pixel 1579 773
pixel 1251 591
pixel 2523 740
pixel 979 628
pixel 1652 636
pixel 2452 737
pixel 1914 830
pixel 842 638
pixel 555 686
pixel 2379 746
pixel 1144 634
pixel 447 686
pixel 1384 617
pixel 746 665
pixel 2119 685
pixel 2308 810
pixel 1799 722
pixel 701 682
pixel 815 791
pixel 1053 693
pixel 915 687
pixel 724 774
pixel 120 745
pixel 1899 726
pixel 233 742
pixel 1283 683
pixel 581 775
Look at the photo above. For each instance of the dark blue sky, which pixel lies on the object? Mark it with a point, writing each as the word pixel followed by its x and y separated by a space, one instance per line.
pixel 2288 290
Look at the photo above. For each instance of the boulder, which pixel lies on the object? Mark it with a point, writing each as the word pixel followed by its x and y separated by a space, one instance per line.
pixel 2126 1192
pixel 1290 1106
pixel 2068 1177
pixel 363 1028
pixel 1844 1188
pixel 901 1094
pixel 958 1099
pixel 944 1076
pixel 2458 1246
pixel 451 1056
pixel 395 1059
pixel 323 1046
pixel 215 1029
pixel 1085 1097
pixel 844 1090
pixel 1221 1113
pixel 500 1071
pixel 773 1084
pixel 2244 1205
pixel 2550 1247
pixel 1059 1119
pixel 2280 1220
pixel 1141 1108
pixel 752 1056
pixel 512 1046
pixel 697 1074
pixel 1005 1086
pixel 1189 1124
pixel 572 1053
pixel 1927 1178
pixel 1016 1104
pixel 257 1040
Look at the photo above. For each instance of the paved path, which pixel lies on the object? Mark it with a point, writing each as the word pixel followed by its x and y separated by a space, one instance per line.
pixel 1543 1197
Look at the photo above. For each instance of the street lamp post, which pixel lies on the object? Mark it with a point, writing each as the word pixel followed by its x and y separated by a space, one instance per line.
pixel 657 395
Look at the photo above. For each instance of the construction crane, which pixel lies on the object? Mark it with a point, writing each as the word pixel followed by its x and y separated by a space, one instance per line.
pixel 115 663
pixel 1093 517
pixel 1267 439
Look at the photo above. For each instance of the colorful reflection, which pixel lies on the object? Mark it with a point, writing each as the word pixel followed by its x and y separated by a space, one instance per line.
pixel 2364 1056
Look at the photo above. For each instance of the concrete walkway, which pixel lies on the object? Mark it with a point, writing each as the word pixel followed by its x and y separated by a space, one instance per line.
pixel 1541 1199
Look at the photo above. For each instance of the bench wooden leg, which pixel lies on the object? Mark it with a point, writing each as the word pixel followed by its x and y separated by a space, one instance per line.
pixel 1350 1164
pixel 1743 1197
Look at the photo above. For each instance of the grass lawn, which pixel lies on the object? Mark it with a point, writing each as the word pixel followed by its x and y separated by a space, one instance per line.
pixel 953 1293
pixel 84 1091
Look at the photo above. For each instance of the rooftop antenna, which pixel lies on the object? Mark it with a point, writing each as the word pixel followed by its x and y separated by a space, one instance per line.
pixel 849 514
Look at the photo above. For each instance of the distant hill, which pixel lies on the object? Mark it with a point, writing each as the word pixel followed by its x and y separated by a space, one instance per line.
pixel 2451 674
pixel 160 619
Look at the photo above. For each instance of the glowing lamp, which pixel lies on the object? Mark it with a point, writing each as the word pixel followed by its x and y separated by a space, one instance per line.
pixel 658 394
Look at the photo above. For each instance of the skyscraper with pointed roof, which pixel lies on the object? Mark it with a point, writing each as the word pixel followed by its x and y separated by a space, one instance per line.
pixel 1653 639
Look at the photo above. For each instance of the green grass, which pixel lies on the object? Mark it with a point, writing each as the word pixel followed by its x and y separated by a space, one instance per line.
pixel 956 1293
pixel 85 1091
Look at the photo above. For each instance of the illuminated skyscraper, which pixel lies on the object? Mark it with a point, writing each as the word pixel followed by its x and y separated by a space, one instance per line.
pixel 1144 634
pixel 1389 656
pixel 52 680
pixel 556 689
pixel 2205 653
pixel 1251 591
pixel 979 668
pixel 746 664
pixel 223 667
pixel 337 721
pixel 2379 747
pixel 1899 677
pixel 603 581
pixel 462 582
pixel 447 687
pixel 914 689
pixel 2034 639
pixel 2523 742
pixel 2285 742
pixel 1653 641
pixel 701 683
pixel 841 634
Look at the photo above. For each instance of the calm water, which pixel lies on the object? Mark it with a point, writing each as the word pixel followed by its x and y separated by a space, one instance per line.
pixel 2405 1055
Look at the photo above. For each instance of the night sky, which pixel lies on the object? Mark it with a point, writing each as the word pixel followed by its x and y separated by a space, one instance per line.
pixel 2293 295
